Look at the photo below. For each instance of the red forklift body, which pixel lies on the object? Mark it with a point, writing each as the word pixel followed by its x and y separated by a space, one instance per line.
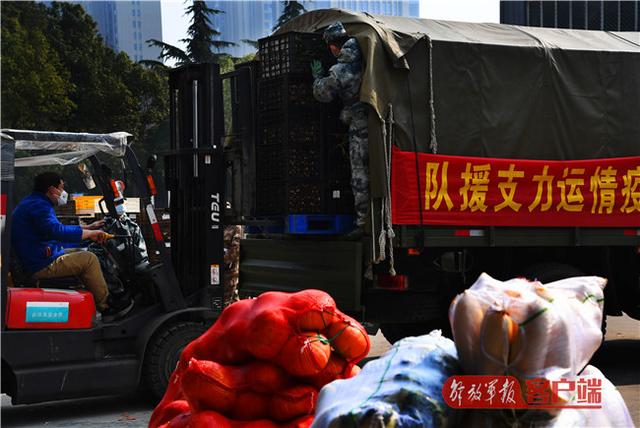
pixel 42 308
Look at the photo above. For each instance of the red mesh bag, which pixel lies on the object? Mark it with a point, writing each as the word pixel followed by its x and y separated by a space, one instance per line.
pixel 265 358
pixel 211 419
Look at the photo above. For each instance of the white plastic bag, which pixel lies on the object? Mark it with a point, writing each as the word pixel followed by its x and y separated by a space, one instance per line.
pixel 403 388
pixel 528 329
pixel 614 412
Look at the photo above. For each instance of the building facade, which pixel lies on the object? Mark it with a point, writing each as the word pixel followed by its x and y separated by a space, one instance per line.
pixel 244 20
pixel 127 25
pixel 586 15
pixel 252 20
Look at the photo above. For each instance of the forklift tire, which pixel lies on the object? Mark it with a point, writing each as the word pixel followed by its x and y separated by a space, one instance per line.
pixel 163 352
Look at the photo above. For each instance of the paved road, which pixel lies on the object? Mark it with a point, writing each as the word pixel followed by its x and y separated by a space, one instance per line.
pixel 617 358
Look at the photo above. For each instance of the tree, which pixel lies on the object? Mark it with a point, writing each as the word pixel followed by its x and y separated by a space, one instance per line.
pixel 290 11
pixel 57 74
pixel 253 43
pixel 35 84
pixel 200 40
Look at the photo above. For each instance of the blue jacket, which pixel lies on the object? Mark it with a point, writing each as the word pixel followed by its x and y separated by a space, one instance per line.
pixel 37 234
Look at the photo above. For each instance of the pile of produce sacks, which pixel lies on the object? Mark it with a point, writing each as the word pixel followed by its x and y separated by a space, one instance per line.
pixel 530 330
pixel 262 364
pixel 401 389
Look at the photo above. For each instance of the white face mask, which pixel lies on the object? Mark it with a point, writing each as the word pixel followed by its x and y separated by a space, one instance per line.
pixel 120 209
pixel 62 199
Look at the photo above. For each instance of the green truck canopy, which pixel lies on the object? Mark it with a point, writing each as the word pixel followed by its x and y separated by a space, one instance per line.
pixel 493 90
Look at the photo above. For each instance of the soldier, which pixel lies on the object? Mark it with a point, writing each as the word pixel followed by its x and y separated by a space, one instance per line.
pixel 231 269
pixel 344 81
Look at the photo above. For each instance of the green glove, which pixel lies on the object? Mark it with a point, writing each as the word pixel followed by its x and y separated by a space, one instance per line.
pixel 316 69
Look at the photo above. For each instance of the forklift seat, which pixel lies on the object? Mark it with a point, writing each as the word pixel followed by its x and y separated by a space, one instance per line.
pixel 60 282
pixel 21 279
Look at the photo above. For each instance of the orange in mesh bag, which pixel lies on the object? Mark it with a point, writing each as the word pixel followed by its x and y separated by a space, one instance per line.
pixel 211 419
pixel 303 334
pixel 260 328
pixel 208 385
pixel 305 354
pixel 527 329
pixel 348 338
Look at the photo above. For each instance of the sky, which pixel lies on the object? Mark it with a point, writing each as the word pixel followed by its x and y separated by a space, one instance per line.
pixel 461 10
pixel 174 23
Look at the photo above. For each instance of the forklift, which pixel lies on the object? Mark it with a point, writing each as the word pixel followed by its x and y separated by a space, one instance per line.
pixel 53 345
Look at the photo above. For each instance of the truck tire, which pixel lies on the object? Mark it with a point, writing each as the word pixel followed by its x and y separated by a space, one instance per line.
pixel 551 271
pixel 395 332
pixel 163 352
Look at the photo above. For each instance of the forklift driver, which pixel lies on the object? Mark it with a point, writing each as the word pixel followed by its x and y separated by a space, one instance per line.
pixel 38 239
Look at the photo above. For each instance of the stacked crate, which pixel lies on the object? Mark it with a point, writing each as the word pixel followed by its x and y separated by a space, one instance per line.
pixel 302 148
pixel 290 145
pixel 338 174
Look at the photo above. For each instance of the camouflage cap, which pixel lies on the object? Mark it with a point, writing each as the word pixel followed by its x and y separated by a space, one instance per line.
pixel 334 32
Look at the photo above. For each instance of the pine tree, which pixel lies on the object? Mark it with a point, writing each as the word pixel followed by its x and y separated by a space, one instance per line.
pixel 290 11
pixel 200 42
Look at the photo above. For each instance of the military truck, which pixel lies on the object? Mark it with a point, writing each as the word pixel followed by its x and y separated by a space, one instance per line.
pixel 493 148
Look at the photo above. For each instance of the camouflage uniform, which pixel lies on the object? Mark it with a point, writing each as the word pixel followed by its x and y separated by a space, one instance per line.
pixel 344 81
pixel 231 269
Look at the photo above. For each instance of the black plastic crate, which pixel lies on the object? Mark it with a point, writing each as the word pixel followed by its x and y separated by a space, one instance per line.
pixel 293 197
pixel 306 133
pixel 338 161
pixel 339 199
pixel 291 53
pixel 287 92
pixel 288 113
pixel 280 162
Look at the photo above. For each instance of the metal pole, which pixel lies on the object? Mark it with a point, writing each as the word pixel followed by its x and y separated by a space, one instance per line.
pixel 195 127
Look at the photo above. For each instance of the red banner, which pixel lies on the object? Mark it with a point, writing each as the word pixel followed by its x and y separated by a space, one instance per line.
pixel 455 190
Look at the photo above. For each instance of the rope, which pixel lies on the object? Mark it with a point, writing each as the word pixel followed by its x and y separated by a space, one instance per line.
pixel 433 143
pixel 388 219
pixel 382 239
pixel 386 229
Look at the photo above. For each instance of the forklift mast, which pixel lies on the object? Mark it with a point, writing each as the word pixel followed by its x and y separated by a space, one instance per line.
pixel 195 175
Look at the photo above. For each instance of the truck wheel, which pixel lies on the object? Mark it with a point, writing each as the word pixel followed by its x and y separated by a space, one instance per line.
pixel 163 352
pixel 552 271
pixel 395 332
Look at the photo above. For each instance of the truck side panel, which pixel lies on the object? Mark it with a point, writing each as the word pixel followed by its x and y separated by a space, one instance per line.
pixel 293 265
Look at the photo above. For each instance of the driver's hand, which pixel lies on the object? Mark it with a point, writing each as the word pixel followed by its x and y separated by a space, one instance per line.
pixel 98 236
pixel 95 225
